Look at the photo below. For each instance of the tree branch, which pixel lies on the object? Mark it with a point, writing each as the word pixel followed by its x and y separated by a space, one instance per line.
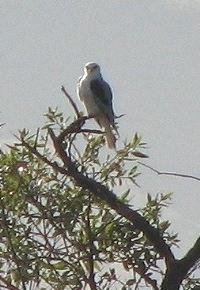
pixel 71 102
pixel 105 194
pixel 191 257
pixel 177 271
pixel 170 173
pixel 75 127
pixel 146 278
pixel 91 280
pixel 8 285
pixel 15 258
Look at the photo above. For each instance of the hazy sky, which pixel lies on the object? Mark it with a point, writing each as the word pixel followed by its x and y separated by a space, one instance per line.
pixel 149 52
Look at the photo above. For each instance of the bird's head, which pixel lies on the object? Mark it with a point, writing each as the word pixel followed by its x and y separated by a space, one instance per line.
pixel 92 68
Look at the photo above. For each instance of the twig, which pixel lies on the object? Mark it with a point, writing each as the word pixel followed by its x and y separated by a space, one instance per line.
pixel 146 278
pixel 94 131
pixel 8 285
pixel 36 139
pixel 170 173
pixel 71 101
pixel 15 258
pixel 91 279
pixel 117 117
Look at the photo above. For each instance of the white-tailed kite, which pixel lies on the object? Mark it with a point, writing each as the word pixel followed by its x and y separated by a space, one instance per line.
pixel 96 95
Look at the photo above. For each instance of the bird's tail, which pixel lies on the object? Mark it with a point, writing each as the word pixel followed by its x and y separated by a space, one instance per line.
pixel 110 137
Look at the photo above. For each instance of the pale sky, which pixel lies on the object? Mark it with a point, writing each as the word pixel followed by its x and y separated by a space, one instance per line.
pixel 149 52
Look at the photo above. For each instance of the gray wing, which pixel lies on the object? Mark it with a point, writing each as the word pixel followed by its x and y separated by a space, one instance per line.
pixel 103 96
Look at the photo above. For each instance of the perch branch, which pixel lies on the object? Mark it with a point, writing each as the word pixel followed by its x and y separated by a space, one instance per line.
pixel 75 127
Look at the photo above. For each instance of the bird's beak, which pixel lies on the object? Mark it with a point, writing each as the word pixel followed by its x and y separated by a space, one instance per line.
pixel 90 69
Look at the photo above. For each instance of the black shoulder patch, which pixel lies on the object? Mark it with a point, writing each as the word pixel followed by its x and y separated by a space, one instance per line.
pixel 100 91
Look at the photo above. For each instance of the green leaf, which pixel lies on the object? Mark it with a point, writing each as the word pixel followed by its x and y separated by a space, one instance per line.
pixel 130 282
pixel 139 154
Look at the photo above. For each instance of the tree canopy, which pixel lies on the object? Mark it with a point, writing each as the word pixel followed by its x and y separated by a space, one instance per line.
pixel 68 220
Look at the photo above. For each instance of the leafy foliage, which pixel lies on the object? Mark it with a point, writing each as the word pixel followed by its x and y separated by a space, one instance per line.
pixel 56 235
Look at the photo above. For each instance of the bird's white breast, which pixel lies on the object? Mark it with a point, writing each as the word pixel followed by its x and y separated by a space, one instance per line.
pixel 86 96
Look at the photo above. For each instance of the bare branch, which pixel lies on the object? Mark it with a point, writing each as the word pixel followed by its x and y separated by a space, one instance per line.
pixel 170 173
pixel 36 139
pixel 71 101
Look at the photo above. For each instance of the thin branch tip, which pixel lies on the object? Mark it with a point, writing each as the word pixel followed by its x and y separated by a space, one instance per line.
pixel 170 173
pixel 73 104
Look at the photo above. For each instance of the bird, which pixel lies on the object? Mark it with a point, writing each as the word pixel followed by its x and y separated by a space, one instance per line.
pixel 96 95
